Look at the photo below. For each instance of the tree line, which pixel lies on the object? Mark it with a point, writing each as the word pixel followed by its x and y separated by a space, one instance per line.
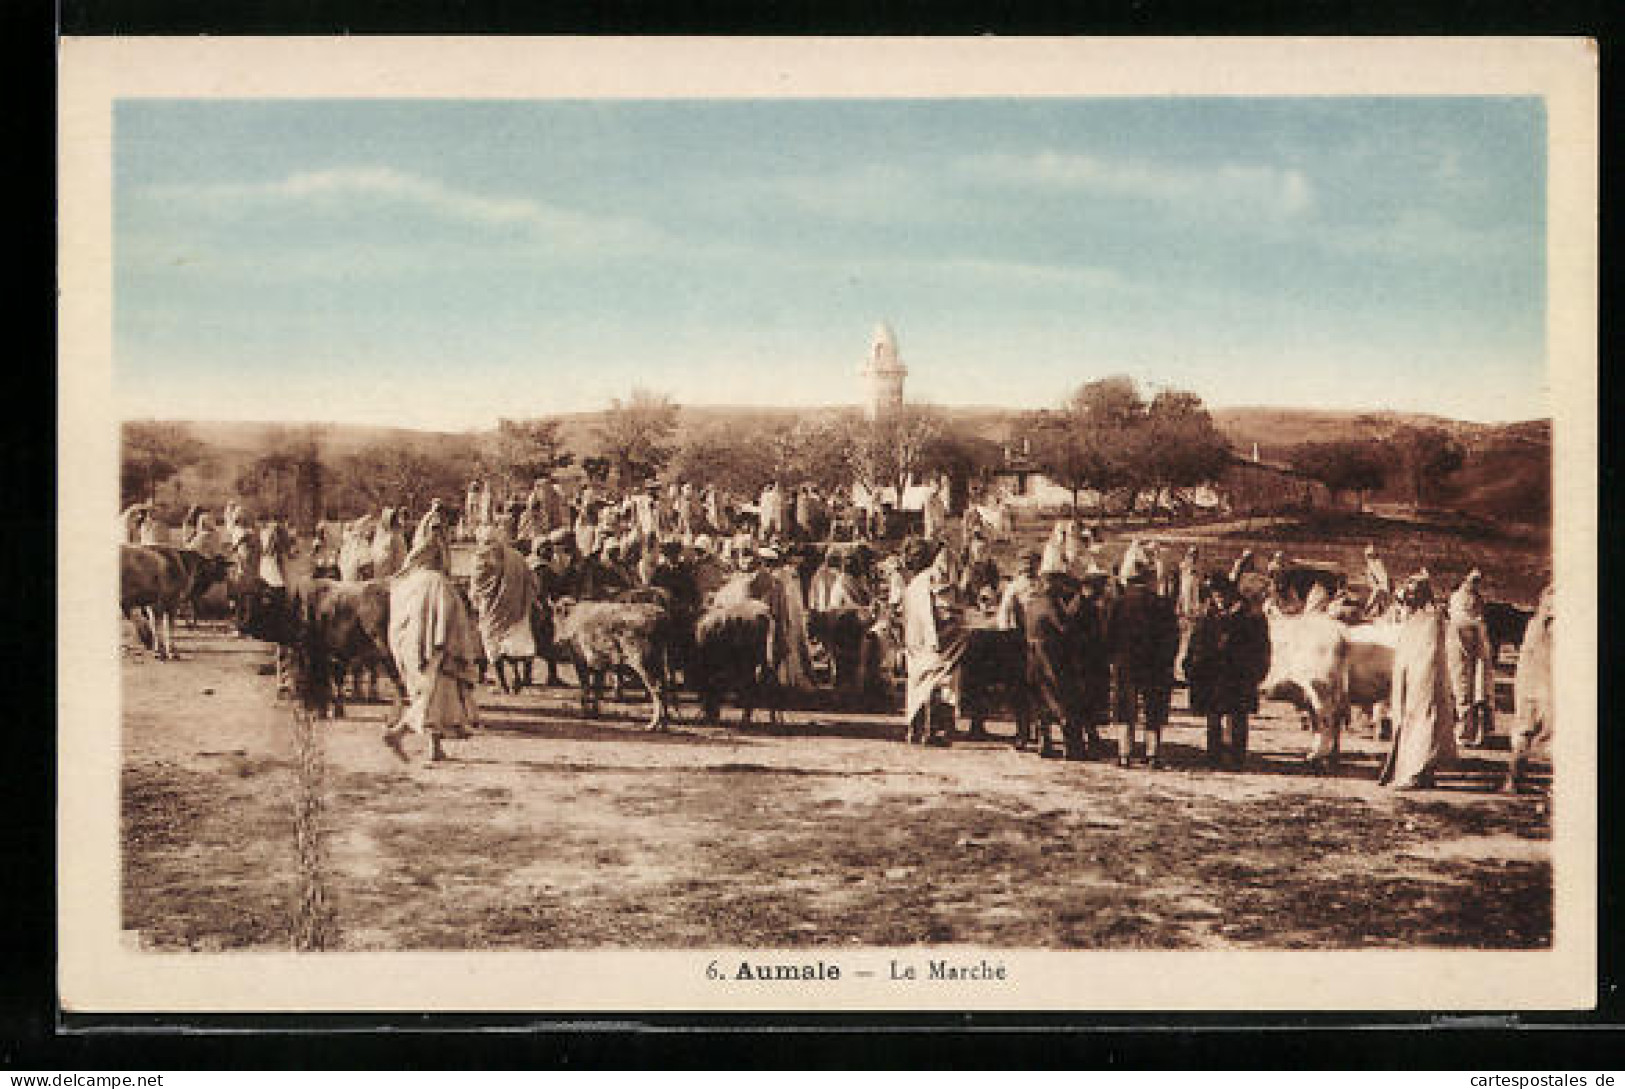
pixel 1419 459
pixel 1109 437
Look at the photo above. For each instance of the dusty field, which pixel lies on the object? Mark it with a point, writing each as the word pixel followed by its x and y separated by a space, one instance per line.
pixel 545 831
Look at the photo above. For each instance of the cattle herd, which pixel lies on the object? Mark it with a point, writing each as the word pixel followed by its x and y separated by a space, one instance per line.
pixel 1069 639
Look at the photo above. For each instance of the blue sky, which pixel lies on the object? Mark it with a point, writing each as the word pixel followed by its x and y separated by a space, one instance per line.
pixel 444 263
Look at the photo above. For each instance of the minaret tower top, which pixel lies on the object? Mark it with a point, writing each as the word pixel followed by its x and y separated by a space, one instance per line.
pixel 883 373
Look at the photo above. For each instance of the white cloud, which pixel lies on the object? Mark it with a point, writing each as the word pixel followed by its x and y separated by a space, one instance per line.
pixel 1252 189
pixel 532 217
pixel 1424 234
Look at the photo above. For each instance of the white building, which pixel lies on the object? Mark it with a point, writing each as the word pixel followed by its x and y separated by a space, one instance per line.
pixel 883 373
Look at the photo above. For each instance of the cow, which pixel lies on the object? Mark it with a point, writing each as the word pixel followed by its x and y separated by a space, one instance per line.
pixel 733 655
pixel 1326 667
pixel 606 635
pixel 158 579
pixel 1309 655
pixel 341 627
pixel 841 632
pixel 1369 680
pixel 994 672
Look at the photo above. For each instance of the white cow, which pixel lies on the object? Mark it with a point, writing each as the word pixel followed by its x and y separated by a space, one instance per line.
pixel 1324 666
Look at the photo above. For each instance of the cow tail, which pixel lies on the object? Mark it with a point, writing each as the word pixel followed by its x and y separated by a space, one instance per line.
pixel 312 662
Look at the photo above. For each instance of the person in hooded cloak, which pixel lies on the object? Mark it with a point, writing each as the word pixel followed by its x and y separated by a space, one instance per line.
pixel 355 549
pixel 1421 702
pixel 129 522
pixel 1467 649
pixel 1382 590
pixel 936 514
pixel 435 644
pixel 934 645
pixel 504 590
pixel 275 546
pixel 1532 734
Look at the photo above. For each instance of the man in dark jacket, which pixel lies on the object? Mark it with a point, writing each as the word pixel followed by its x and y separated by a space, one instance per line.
pixel 1228 658
pixel 1054 666
pixel 1142 634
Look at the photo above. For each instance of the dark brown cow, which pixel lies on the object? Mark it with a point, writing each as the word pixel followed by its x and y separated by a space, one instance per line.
pixel 341 627
pixel 158 579
pixel 992 673
pixel 841 631
pixel 731 657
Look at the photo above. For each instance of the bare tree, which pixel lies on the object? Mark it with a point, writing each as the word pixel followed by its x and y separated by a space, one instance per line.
pixel 636 435
pixel 888 451
pixel 522 450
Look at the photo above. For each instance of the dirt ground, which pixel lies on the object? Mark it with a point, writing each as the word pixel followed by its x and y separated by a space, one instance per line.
pixel 548 831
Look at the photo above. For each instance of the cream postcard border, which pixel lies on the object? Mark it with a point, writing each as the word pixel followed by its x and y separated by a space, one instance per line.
pixel 99 973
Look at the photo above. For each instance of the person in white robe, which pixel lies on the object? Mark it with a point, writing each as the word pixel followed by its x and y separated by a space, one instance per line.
pixel 1189 594
pixel 936 514
pixel 355 548
pixel 1423 709
pixel 1059 547
pixel 934 645
pixel 1468 652
pixel 130 522
pixel 1533 731
pixel 714 522
pixel 276 545
pixel 770 511
pixel 504 590
pixel 1243 566
pixel 1382 590
pixel 435 644
pixel 1134 559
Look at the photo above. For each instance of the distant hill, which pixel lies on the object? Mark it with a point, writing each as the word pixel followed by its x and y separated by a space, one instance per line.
pixel 1276 430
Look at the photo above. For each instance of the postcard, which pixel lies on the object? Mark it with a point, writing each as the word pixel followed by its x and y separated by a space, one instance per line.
pixel 827 524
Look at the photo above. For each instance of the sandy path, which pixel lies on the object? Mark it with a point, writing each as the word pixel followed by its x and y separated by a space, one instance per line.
pixel 545 830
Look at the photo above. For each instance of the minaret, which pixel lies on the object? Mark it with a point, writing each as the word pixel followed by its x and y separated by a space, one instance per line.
pixel 883 373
